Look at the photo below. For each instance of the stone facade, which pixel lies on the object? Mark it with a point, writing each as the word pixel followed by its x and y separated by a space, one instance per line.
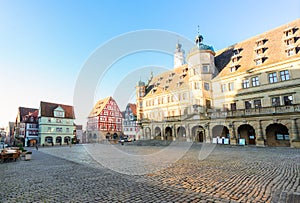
pixel 247 93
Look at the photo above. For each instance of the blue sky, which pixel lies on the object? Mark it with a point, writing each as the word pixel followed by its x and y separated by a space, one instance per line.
pixel 44 44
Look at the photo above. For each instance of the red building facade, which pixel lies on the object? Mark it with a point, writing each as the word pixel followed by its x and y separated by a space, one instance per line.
pixel 104 120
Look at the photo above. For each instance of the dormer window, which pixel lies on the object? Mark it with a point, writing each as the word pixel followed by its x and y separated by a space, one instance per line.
pixel 59 112
pixel 289 40
pixel 258 61
pixel 179 84
pixel 290 51
pixel 234 68
pixel 236 55
pixel 260 46
pixel 289 32
pixel 261 42
pixel 259 50
pixel 183 74
pixel 171 75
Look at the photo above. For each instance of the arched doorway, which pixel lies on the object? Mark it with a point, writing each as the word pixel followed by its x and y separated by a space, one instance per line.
pixel 198 133
pixel 168 133
pixel 247 132
pixel 277 135
pixel 58 140
pixel 181 133
pixel 115 136
pixel 67 139
pixel 31 143
pixel 147 133
pixel 220 131
pixel 49 139
pixel 157 133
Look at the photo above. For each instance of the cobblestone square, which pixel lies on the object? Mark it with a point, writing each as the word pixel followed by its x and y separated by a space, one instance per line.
pixel 228 174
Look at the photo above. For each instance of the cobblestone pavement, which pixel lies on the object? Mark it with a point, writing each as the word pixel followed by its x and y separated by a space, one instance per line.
pixel 228 174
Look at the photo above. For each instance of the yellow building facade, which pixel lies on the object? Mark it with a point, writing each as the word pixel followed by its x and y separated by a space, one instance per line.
pixel 248 93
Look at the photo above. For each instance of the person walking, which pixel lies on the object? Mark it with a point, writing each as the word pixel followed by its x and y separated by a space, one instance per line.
pixel 36 147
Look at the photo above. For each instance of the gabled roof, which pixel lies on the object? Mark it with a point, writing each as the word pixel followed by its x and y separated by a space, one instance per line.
pixel 47 109
pixel 273 45
pixel 133 108
pixel 30 115
pixel 99 106
pixel 168 82
pixel 24 111
pixel 78 127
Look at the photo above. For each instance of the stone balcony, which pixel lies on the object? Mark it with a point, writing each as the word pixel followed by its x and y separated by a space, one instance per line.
pixel 201 113
pixel 256 111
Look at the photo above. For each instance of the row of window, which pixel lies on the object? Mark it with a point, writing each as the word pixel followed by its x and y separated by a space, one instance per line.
pixel 111 113
pixel 170 113
pixel 57 120
pixel 109 119
pixel 104 127
pixel 261 47
pixel 32 125
pixel 111 127
pixel 59 114
pixel 58 130
pixel 230 87
pixel 130 129
pixel 33 133
pixel 167 99
pixel 256 103
pixel 57 140
pixel 133 123
pixel 284 75
pixel 111 107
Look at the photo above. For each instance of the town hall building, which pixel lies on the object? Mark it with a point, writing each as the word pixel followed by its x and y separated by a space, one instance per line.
pixel 247 93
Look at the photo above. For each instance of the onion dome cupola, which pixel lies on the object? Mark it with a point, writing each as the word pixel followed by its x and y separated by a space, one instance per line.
pixel 201 46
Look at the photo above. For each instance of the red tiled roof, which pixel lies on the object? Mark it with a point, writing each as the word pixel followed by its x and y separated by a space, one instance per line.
pixel 24 111
pixel 133 108
pixel 78 127
pixel 34 114
pixel 274 50
pixel 47 109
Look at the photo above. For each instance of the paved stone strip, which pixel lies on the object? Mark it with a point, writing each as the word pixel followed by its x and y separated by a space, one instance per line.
pixel 250 179
pixel 229 174
pixel 52 179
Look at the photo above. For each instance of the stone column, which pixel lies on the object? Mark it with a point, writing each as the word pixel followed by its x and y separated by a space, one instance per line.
pixel 188 135
pixel 295 135
pixel 233 139
pixel 173 132
pixel 260 141
pixel 207 134
pixel 162 134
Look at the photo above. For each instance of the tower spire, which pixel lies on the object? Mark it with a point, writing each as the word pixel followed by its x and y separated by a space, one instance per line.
pixel 199 37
